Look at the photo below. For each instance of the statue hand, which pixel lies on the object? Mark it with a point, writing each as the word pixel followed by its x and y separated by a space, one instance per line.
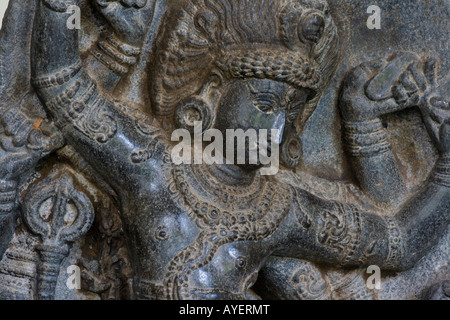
pixel 128 18
pixel 435 108
pixel 381 87
pixel 23 142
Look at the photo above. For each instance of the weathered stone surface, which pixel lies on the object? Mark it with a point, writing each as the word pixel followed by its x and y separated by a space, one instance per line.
pixel 88 177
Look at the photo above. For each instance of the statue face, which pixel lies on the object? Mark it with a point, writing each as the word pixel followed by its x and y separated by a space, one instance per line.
pixel 259 104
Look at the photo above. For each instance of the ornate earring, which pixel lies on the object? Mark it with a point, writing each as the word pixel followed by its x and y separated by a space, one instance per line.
pixel 199 108
pixel 291 150
pixel 191 110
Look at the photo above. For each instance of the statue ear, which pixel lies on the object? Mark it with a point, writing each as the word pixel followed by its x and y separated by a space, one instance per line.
pixel 291 148
pixel 191 110
pixel 200 108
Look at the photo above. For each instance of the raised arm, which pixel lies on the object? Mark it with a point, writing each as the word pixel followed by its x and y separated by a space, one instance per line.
pixel 25 137
pixel 370 91
pixel 105 132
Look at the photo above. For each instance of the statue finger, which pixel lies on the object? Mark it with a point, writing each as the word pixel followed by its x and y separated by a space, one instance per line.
pixel 436 117
pixel 103 3
pixel 359 76
pixel 439 110
pixel 48 128
pixel 20 138
pixel 373 66
pixel 416 70
pixel 409 85
pixel 367 70
pixel 413 100
pixel 129 3
pixel 400 94
pixel 52 143
pixel 52 139
pixel 35 140
pixel 12 121
pixel 430 70
pixel 439 103
pixel 390 106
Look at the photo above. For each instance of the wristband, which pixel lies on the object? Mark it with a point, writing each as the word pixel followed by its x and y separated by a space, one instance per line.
pixel 366 138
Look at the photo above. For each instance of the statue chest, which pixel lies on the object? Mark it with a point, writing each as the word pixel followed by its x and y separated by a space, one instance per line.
pixel 189 231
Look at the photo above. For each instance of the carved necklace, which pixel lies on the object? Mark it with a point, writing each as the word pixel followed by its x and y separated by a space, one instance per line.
pixel 224 214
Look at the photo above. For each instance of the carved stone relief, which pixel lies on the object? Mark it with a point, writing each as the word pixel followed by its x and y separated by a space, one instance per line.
pixel 355 119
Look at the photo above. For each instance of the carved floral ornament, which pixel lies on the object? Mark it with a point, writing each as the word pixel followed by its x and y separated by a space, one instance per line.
pixel 87 170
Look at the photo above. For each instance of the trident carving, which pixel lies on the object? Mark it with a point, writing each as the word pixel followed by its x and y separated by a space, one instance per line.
pixel 60 214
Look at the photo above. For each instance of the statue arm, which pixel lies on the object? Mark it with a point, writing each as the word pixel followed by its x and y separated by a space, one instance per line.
pixel 370 91
pixel 346 236
pixel 105 132
pixel 365 139
pixel 373 162
pixel 350 237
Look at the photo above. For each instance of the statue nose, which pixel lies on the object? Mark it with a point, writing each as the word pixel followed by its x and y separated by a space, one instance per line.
pixel 280 125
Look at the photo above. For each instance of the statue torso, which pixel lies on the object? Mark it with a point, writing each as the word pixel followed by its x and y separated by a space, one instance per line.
pixel 192 232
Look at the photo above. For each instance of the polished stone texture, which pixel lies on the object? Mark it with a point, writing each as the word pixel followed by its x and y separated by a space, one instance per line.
pixel 89 189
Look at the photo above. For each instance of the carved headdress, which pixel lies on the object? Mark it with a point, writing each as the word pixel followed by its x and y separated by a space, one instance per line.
pixel 291 41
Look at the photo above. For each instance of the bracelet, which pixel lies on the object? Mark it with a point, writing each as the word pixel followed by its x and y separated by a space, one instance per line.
pixel 115 55
pixel 114 66
pixel 363 127
pixel 7 208
pixel 82 106
pixel 8 193
pixel 366 138
pixel 441 173
pixel 7 197
pixel 394 241
pixel 119 57
pixel 7 186
pixel 124 48
pixel 62 101
pixel 58 78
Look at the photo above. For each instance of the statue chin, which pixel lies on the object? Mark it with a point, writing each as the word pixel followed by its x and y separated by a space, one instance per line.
pixel 251 167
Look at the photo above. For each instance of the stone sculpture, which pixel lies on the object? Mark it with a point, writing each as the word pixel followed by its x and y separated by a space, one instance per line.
pixel 86 126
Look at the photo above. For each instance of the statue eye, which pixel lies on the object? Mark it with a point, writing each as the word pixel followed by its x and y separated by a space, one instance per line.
pixel 265 99
pixel 266 102
pixel 312 26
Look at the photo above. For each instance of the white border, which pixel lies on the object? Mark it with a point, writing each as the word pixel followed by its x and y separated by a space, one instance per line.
pixel 3 6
